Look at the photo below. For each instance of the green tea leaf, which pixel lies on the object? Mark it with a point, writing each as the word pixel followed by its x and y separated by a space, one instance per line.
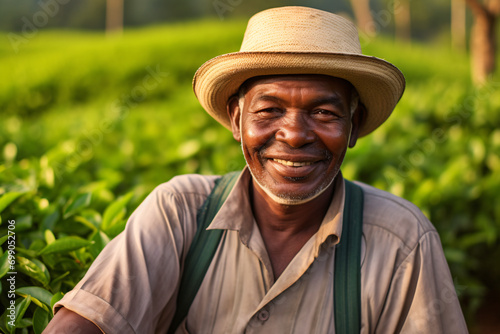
pixel 77 204
pixel 454 255
pixel 42 266
pixel 116 229
pixel 3 323
pixel 89 218
pixel 24 223
pixel 3 239
pixel 21 308
pixel 23 324
pixel 100 240
pixel 82 256
pixel 56 286
pixel 36 292
pixel 8 198
pixel 33 270
pixel 60 277
pixel 40 320
pixel 65 244
pixel 49 237
pixel 37 245
pixel 57 297
pixel 115 211
pixel 4 264
pixel 49 222
pixel 27 252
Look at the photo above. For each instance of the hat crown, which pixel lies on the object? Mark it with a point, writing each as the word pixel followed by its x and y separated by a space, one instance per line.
pixel 300 29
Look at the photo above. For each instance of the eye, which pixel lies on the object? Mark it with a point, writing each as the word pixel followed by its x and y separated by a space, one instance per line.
pixel 270 112
pixel 271 109
pixel 325 114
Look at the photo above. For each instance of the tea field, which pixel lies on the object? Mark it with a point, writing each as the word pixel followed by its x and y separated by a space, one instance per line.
pixel 90 124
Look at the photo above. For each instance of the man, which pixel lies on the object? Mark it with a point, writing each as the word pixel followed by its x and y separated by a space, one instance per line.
pixel 297 94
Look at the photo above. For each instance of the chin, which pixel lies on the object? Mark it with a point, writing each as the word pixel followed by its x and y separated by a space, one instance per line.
pixel 292 199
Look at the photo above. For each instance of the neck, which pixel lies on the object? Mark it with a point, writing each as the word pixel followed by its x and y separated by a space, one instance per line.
pixel 285 229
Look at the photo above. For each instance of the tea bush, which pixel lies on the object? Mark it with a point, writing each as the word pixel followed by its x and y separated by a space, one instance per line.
pixel 90 125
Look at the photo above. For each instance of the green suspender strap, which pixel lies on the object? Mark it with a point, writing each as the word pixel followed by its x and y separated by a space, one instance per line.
pixel 347 287
pixel 203 247
pixel 347 275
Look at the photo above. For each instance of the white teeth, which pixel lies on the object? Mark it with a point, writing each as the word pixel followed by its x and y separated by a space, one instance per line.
pixel 293 163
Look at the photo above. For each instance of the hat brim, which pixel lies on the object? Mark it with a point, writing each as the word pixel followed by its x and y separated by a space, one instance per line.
pixel 380 84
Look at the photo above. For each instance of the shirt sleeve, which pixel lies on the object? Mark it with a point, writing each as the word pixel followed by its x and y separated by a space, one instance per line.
pixel 132 285
pixel 422 297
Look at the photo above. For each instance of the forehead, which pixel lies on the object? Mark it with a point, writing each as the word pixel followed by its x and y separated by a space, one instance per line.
pixel 315 81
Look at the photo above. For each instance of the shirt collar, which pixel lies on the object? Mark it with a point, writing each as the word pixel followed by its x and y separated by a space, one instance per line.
pixel 236 213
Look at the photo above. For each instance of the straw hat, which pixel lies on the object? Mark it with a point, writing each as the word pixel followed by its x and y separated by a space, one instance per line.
pixel 300 40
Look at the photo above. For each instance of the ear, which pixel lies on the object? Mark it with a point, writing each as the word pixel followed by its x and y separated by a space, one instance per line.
pixel 357 121
pixel 234 113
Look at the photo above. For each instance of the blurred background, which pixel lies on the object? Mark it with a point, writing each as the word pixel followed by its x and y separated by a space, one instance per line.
pixel 96 109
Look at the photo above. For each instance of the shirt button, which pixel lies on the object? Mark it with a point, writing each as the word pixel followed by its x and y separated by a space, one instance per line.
pixel 263 315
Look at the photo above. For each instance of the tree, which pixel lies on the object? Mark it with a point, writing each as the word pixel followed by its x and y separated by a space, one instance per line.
pixel 114 16
pixel 364 19
pixel 483 38
pixel 402 19
pixel 458 24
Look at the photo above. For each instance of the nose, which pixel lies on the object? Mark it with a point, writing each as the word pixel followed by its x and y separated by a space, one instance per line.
pixel 295 131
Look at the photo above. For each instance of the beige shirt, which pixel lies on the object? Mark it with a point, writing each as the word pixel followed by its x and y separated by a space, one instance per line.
pixel 406 285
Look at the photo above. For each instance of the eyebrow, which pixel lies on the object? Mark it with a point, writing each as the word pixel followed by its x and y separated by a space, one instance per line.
pixel 333 100
pixel 269 98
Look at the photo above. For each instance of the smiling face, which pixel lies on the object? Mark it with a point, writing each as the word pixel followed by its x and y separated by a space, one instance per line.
pixel 294 132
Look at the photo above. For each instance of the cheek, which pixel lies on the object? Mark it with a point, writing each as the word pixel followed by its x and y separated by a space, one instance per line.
pixel 255 136
pixel 336 141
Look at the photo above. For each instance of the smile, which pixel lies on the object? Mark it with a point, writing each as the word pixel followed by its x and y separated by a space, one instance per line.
pixel 293 163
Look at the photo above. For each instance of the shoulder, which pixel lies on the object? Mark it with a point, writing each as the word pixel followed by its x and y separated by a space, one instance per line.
pixel 390 214
pixel 187 186
pixel 175 203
